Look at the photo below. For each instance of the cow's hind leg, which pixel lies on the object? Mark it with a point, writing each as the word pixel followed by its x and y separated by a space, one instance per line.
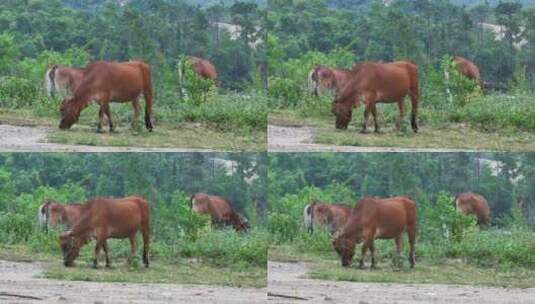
pixel 363 255
pixel 412 242
pixel 401 106
pixel 105 247
pixel 135 105
pixel 399 248
pixel 133 248
pixel 372 252
pixel 96 252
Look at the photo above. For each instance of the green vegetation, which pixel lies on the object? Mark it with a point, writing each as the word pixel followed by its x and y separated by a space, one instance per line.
pixel 427 32
pixel 500 255
pixel 51 32
pixel 184 247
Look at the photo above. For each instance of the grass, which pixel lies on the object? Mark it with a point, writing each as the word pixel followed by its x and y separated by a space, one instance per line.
pixel 437 135
pixel 162 270
pixel 426 271
pixel 165 135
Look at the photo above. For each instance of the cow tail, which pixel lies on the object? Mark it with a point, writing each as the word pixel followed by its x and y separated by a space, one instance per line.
pixel 145 231
pixel 308 218
pixel 190 202
pixel 50 80
pixel 415 96
pixel 148 92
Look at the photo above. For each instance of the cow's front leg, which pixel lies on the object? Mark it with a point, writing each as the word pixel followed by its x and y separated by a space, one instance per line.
pixel 374 113
pixel 366 117
pixel 100 119
pixel 106 106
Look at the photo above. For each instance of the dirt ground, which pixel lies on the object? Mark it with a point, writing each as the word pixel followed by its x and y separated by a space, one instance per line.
pixel 21 283
pixel 300 139
pixel 287 283
pixel 34 139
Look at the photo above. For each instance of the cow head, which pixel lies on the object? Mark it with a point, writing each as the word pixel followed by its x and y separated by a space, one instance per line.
pixel 345 247
pixel 322 79
pixel 69 113
pixel 70 248
pixel 343 112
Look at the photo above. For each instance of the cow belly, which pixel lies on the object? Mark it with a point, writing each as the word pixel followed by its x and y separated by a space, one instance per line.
pixel 118 96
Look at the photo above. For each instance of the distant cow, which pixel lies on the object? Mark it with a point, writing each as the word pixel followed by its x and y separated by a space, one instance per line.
pixel 375 218
pixel 106 82
pixel 472 203
pixel 377 82
pixel 104 218
pixel 53 214
pixel 468 69
pixel 219 209
pixel 202 67
pixel 62 79
pixel 322 79
pixel 332 216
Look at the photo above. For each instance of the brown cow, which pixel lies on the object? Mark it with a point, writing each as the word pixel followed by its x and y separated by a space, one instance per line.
pixel 202 67
pixel 104 218
pixel 468 69
pixel 63 79
pixel 375 218
pixel 106 82
pixel 376 83
pixel 472 203
pixel 323 79
pixel 53 214
pixel 219 209
pixel 333 216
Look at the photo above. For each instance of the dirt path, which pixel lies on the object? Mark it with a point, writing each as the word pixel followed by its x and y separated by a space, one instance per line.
pixel 34 139
pixel 22 279
pixel 300 139
pixel 287 285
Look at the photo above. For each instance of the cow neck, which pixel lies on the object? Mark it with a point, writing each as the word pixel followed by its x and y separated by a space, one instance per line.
pixel 83 225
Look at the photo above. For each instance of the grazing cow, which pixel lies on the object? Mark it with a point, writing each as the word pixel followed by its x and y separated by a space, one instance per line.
pixel 322 79
pixel 219 209
pixel 62 79
pixel 376 83
pixel 375 218
pixel 468 69
pixel 53 214
pixel 333 216
pixel 104 218
pixel 202 67
pixel 471 203
pixel 106 82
